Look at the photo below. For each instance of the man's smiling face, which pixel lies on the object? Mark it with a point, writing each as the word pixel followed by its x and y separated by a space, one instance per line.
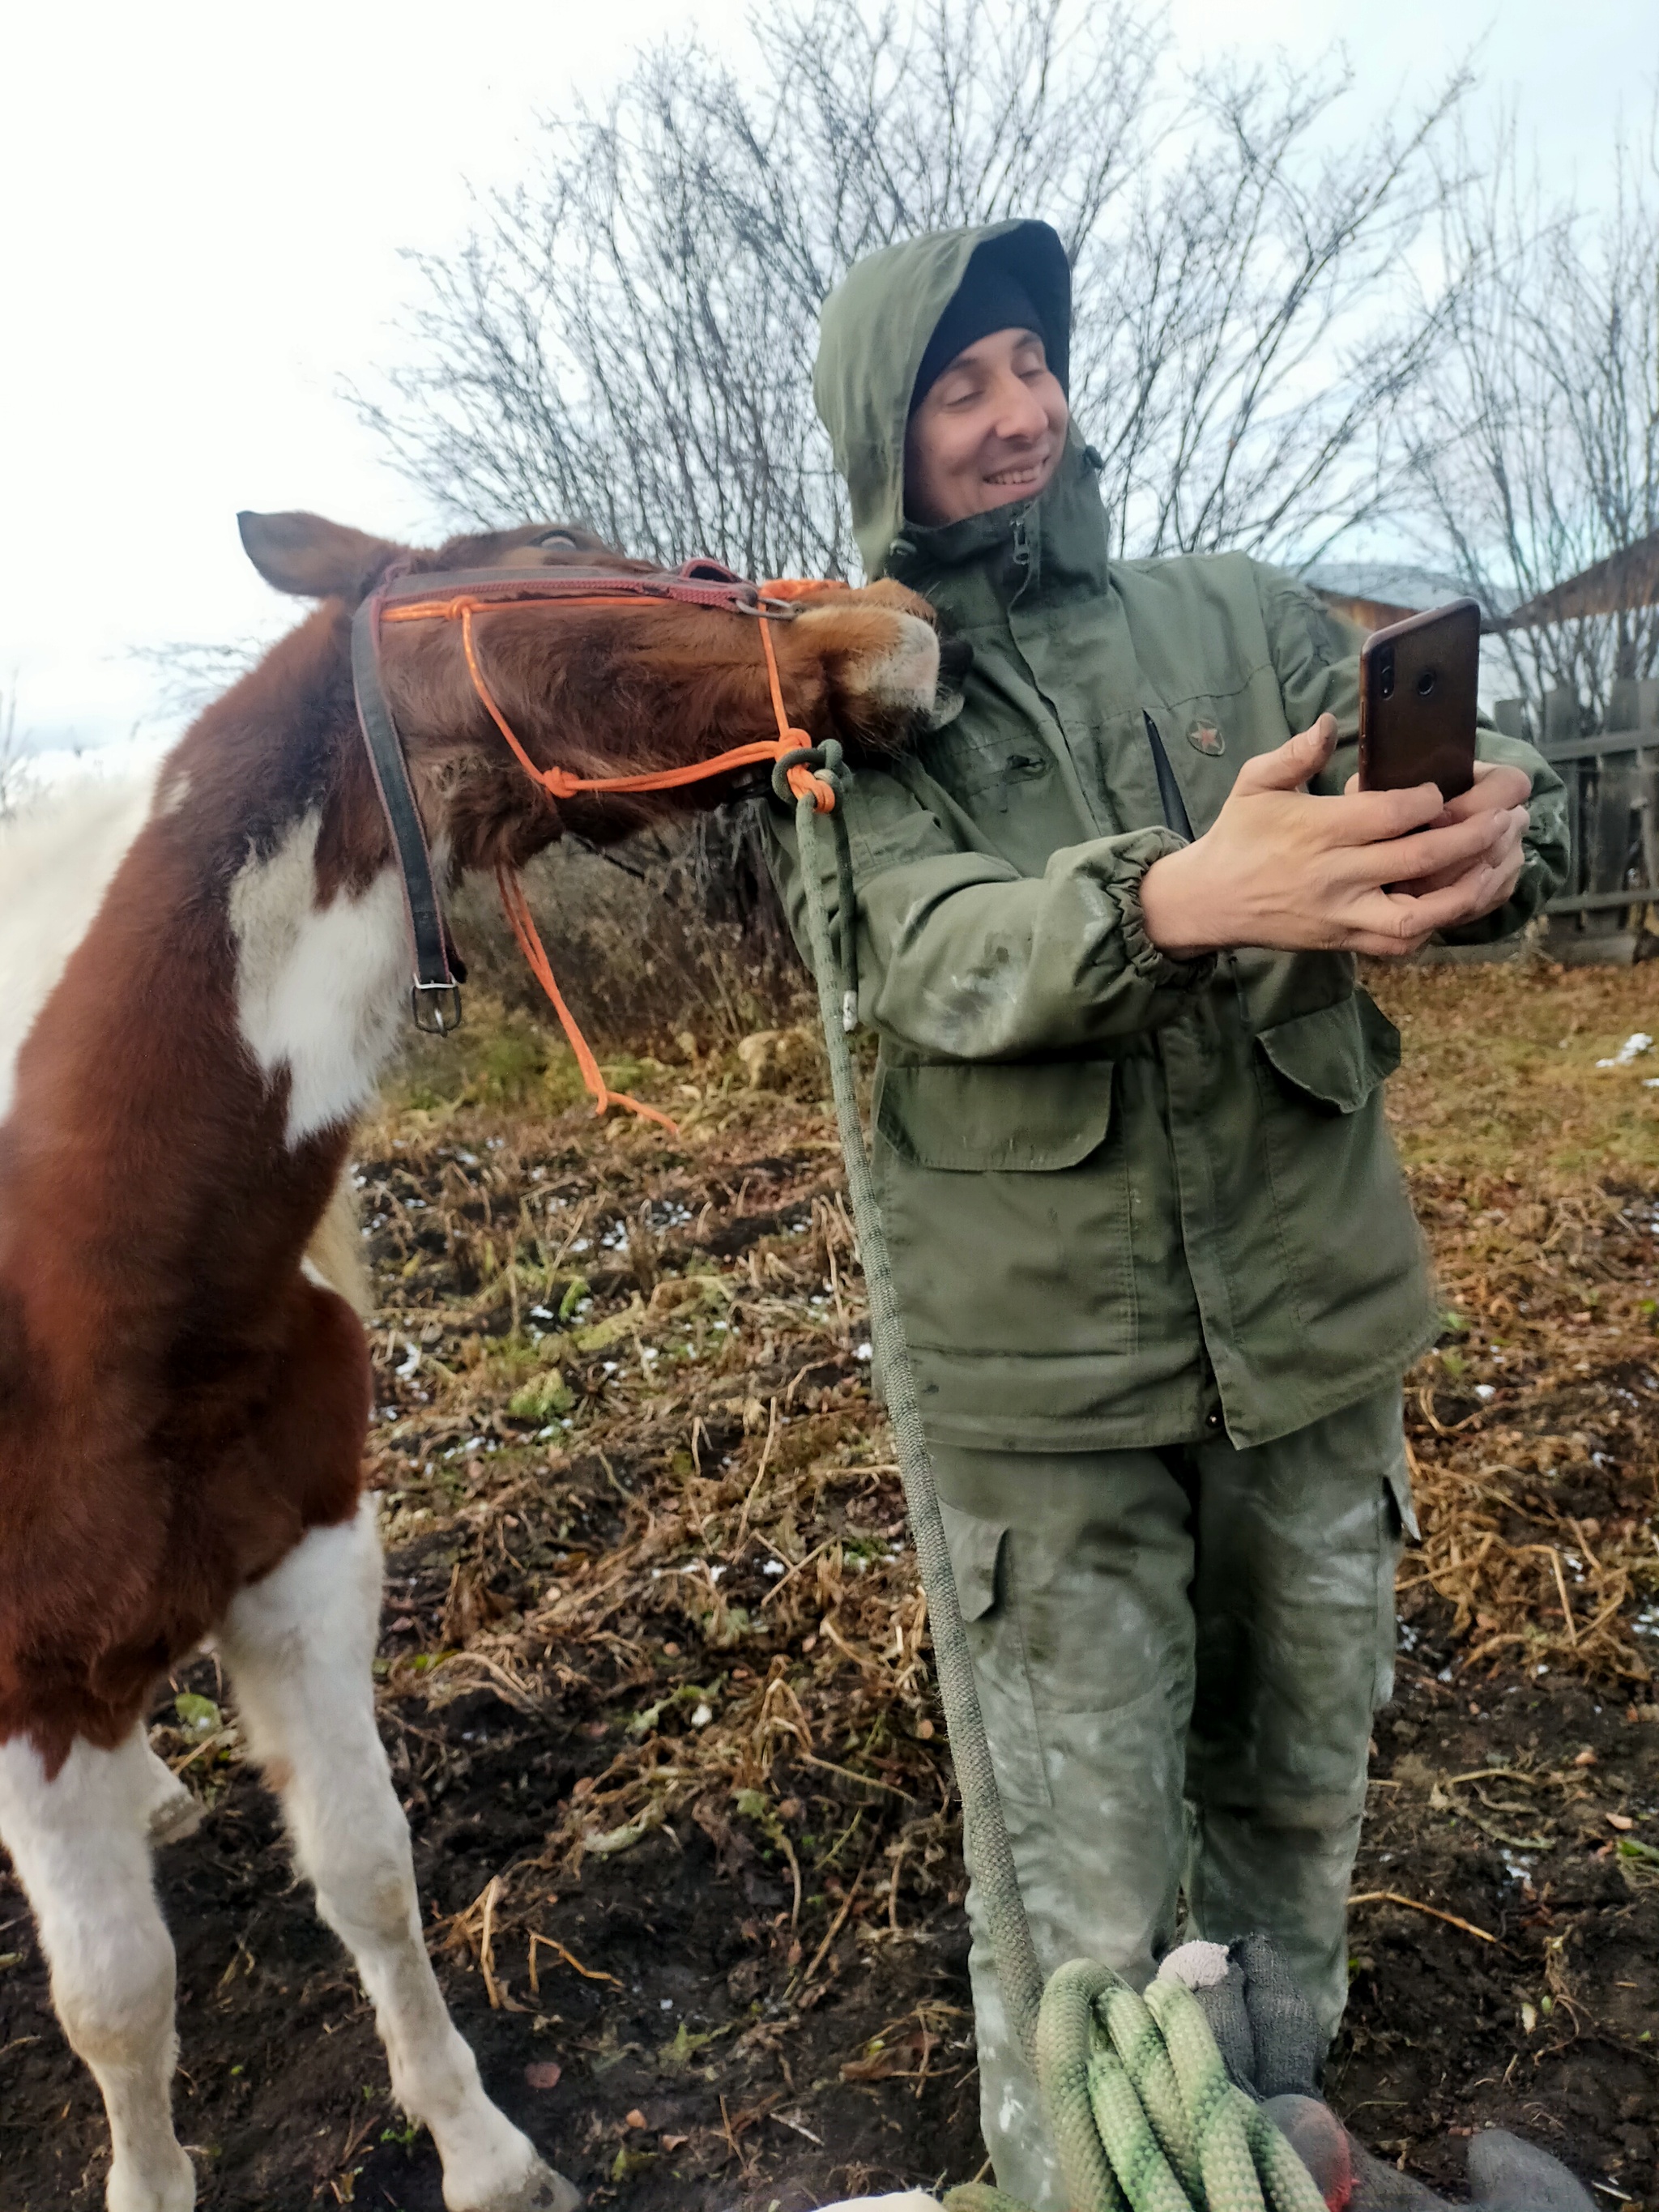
pixel 990 430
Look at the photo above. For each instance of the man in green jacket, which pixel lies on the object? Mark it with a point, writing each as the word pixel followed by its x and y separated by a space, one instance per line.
pixel 1158 1267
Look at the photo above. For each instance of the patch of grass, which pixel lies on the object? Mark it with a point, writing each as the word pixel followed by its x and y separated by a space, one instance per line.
pixel 500 1057
pixel 1499 1075
pixel 547 1395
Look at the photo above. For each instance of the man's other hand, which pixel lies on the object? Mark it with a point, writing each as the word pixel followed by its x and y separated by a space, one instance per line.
pixel 1498 789
pixel 1374 871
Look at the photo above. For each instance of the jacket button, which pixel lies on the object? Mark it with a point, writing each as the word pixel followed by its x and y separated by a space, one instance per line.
pixel 1212 1420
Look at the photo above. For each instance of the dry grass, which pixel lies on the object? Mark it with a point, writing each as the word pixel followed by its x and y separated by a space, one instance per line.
pixel 1534 1425
pixel 677 1505
pixel 628 1447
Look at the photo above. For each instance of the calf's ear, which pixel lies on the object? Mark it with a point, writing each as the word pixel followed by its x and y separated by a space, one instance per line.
pixel 312 557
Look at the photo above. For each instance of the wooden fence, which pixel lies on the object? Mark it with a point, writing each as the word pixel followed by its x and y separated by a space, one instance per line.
pixel 1608 908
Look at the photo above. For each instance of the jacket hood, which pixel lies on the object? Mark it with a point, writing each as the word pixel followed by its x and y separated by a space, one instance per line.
pixel 875 329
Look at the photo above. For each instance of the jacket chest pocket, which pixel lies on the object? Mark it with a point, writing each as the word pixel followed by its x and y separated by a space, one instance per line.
pixel 1206 740
pixel 984 772
pixel 1336 1057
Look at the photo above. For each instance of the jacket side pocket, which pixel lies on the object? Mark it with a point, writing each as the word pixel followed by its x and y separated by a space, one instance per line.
pixel 978 1117
pixel 1006 1194
pixel 1345 1222
pixel 1337 1055
pixel 979 1561
pixel 1399 1523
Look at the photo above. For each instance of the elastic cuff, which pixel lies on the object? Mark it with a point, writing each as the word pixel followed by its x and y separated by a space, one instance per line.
pixel 1133 856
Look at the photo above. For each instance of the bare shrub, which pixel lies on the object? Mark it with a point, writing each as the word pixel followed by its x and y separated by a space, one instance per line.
pixel 191 673
pixel 13 768
pixel 1535 448
pixel 643 952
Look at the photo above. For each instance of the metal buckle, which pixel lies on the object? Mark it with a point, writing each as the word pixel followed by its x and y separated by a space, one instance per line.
pixel 436 1006
pixel 749 783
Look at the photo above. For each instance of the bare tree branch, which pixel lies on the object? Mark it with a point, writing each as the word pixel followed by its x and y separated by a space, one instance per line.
pixel 1535 450
pixel 627 340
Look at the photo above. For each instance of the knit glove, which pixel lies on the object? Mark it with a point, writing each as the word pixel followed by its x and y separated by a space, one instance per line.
pixel 1263 2026
pixel 1270 2046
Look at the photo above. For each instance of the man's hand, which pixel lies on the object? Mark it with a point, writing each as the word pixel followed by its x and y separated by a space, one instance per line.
pixel 1374 871
pixel 1498 789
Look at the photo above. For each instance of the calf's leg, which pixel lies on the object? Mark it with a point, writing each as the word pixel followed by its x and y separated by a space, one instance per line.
pixel 298 1646
pixel 81 1844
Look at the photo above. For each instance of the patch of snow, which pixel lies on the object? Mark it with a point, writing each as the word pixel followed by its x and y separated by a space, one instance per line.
pixel 1634 1046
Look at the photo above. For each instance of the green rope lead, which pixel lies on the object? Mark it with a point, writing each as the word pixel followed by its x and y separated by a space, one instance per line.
pixel 1140 2106
pixel 985 1838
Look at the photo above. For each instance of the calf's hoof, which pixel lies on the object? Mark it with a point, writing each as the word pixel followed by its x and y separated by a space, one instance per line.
pixel 170 2187
pixel 535 2188
pixel 170 1811
pixel 179 1815
pixel 906 2200
pixel 545 2192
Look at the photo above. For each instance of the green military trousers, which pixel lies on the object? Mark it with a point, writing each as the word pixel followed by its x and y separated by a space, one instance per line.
pixel 1178 1654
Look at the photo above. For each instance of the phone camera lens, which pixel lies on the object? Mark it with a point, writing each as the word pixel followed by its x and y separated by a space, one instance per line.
pixel 1425 684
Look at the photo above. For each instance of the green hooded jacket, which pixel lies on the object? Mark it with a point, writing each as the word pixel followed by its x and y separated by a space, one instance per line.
pixel 1131 1200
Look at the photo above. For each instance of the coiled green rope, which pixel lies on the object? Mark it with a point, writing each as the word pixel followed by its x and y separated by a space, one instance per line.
pixel 1138 2103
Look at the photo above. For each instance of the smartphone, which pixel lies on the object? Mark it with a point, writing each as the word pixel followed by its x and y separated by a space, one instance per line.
pixel 1418 685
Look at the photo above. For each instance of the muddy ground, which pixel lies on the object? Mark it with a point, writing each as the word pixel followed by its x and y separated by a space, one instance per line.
pixel 655 1672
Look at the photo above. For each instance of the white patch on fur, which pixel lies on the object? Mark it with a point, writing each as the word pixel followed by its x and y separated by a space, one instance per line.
pixel 907 676
pixel 81 1846
pixel 298 1646
pixel 907 2200
pixel 320 991
pixel 57 861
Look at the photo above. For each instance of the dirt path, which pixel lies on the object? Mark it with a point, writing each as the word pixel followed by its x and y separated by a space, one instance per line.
pixel 655 1686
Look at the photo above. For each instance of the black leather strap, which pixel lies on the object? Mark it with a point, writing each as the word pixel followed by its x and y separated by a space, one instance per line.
pixel 435 995
pixel 698 584
pixel 439 973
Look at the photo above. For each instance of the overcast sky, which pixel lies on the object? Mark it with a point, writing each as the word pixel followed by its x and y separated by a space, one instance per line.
pixel 202 212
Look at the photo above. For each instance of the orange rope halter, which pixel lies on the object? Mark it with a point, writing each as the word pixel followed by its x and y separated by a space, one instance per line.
pixel 560 783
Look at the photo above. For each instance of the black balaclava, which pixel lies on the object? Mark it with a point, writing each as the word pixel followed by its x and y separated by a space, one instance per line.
pixel 992 296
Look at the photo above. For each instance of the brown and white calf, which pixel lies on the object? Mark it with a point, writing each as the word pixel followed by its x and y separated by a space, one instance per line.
pixel 199 981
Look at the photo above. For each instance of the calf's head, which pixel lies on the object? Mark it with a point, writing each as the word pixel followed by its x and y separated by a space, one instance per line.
pixel 622 689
